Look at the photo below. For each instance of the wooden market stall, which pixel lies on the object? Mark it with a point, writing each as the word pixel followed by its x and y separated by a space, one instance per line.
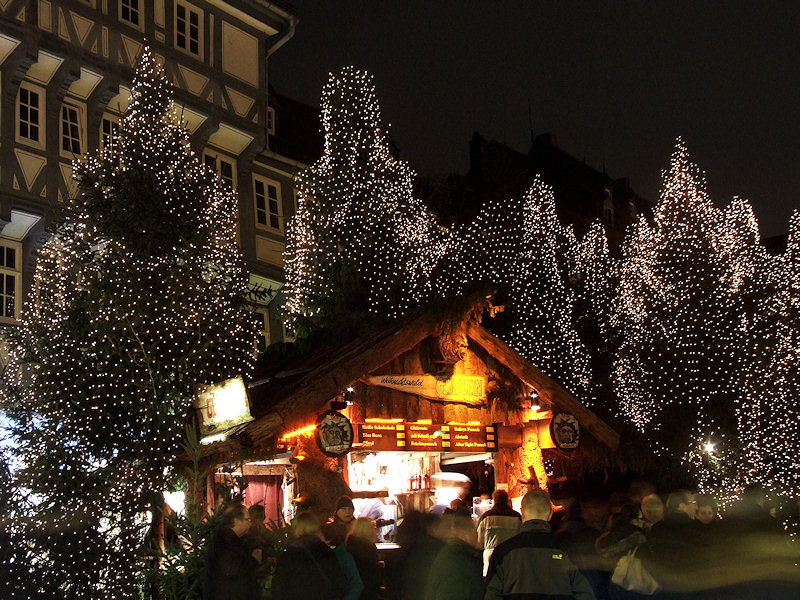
pixel 383 416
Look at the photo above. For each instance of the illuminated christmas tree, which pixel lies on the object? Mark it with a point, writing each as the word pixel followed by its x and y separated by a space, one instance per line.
pixel 543 298
pixel 593 277
pixel 138 296
pixel 767 418
pixel 681 309
pixel 361 242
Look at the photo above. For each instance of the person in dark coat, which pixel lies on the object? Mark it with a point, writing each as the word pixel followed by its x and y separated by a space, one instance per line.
pixel 361 544
pixel 456 573
pixel 308 568
pixel 531 564
pixel 230 564
pixel 674 553
pixel 420 541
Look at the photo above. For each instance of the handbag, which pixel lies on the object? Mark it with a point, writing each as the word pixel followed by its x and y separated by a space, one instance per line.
pixel 630 574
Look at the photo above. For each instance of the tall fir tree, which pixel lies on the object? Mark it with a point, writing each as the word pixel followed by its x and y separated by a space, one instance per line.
pixel 680 310
pixel 138 296
pixel 593 277
pixel 767 418
pixel 544 301
pixel 361 242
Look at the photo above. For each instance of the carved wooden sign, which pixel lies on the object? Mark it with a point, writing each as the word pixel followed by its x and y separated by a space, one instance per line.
pixel 468 389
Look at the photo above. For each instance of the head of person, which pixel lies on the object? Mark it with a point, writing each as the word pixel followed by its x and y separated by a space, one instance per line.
pixel 364 528
pixel 462 528
pixel 257 514
pixel 536 505
pixel 500 498
pixel 333 534
pixel 344 509
pixel 682 501
pixel 236 518
pixel 706 509
pixel 305 523
pixel 652 508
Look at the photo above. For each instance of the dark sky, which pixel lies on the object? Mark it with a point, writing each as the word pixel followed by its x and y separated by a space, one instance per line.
pixel 616 82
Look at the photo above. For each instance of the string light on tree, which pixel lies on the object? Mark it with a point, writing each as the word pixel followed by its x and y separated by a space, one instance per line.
pixel 138 295
pixel 360 241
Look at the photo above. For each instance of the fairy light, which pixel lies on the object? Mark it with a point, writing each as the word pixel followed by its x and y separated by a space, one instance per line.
pixel 709 330
pixel 136 297
pixel 360 237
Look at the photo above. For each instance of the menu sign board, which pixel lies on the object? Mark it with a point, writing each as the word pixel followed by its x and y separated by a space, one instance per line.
pixel 425 437
pixel 382 436
pixel 428 437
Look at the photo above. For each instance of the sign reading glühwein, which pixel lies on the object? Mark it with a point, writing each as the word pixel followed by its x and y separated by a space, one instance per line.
pixel 428 437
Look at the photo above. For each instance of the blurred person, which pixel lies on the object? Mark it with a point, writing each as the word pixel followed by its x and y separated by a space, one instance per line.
pixel 675 554
pixel 332 535
pixel 456 572
pixel 624 536
pixel 652 511
pixel 258 536
pixel 230 564
pixel 577 534
pixel 361 544
pixel 706 509
pixel 531 564
pixel 496 525
pixel 308 568
pixel 420 543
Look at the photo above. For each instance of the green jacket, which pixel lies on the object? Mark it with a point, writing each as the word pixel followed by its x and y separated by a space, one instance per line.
pixel 456 573
pixel 531 565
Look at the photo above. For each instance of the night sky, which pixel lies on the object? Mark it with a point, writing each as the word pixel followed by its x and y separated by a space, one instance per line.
pixel 616 82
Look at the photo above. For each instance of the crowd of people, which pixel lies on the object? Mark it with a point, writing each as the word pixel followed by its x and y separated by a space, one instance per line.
pixel 634 545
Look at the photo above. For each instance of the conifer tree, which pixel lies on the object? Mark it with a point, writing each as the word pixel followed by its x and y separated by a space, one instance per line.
pixel 767 418
pixel 680 310
pixel 593 277
pixel 361 242
pixel 137 298
pixel 544 331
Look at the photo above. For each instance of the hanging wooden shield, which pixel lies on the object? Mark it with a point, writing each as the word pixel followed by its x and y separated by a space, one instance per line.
pixel 334 433
pixel 565 431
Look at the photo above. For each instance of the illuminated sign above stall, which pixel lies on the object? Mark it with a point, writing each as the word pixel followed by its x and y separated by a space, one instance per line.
pixel 221 406
pixel 427 437
pixel 468 389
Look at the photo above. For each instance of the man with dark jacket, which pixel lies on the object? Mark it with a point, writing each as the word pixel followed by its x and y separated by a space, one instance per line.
pixel 308 568
pixel 531 564
pixel 456 571
pixel 673 554
pixel 230 565
pixel 496 525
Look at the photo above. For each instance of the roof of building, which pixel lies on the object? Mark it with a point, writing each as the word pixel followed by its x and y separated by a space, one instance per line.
pixel 289 391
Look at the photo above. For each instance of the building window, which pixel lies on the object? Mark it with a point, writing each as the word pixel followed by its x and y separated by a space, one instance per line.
pixel 70 129
pixel 188 32
pixel 223 166
pixel 269 214
pixel 130 12
pixel 270 121
pixel 10 279
pixel 109 133
pixel 263 339
pixel 29 117
pixel 608 208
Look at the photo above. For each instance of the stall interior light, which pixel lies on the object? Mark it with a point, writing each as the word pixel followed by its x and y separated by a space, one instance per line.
pixel 383 420
pixel 297 432
pixel 541 415
pixel 210 439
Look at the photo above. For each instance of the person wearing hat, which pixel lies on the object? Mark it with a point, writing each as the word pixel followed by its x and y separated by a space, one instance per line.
pixel 343 513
